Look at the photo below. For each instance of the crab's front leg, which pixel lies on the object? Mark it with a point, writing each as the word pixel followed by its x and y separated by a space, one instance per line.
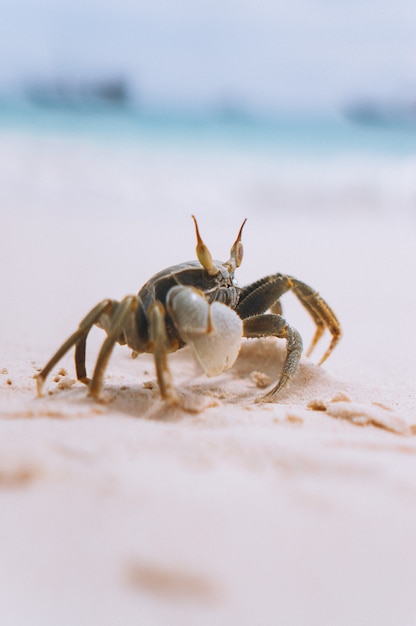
pixel 159 339
pixel 270 325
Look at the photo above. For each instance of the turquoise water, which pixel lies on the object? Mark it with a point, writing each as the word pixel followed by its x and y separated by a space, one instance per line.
pixel 307 134
pixel 59 158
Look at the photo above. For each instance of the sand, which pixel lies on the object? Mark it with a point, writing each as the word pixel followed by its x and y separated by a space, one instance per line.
pixel 300 512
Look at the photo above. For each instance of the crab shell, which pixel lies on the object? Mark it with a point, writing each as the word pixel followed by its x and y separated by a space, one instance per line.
pixel 213 331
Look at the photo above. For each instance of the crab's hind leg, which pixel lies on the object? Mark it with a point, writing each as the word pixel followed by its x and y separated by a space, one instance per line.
pixel 265 294
pixel 80 367
pixel 276 326
pixel 77 338
pixel 125 308
pixel 321 313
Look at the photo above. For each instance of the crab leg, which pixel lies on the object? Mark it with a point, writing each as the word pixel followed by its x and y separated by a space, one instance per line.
pixel 78 337
pixel 80 367
pixel 321 313
pixel 276 325
pixel 126 307
pixel 265 294
pixel 159 339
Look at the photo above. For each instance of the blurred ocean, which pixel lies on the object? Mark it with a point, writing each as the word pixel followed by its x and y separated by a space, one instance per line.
pixel 330 134
pixel 78 158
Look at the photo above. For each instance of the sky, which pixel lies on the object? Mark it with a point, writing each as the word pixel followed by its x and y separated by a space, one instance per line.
pixel 267 54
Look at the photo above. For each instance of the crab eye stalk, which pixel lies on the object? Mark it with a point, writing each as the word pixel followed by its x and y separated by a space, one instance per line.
pixel 236 256
pixel 202 252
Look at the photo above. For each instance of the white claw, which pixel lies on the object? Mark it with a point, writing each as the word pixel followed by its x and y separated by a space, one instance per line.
pixel 218 350
pixel 213 331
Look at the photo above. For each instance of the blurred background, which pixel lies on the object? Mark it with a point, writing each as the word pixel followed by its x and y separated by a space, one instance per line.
pixel 118 119
pixel 298 79
pixel 264 56
pixel 281 81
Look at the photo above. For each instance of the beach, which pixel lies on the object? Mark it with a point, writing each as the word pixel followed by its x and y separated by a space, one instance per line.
pixel 298 512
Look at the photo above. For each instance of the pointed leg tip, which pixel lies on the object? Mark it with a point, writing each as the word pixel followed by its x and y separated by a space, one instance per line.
pixel 100 397
pixel 264 399
pixel 170 398
pixel 94 394
pixel 94 389
pixel 270 396
pixel 334 342
pixel 39 385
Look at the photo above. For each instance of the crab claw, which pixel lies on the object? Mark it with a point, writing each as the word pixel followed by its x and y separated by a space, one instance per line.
pixel 213 331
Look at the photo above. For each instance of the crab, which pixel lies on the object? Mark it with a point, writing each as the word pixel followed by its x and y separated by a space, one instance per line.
pixel 199 304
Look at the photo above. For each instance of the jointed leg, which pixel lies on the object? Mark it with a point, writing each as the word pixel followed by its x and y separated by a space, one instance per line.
pixel 262 295
pixel 78 337
pixel 159 339
pixel 125 308
pixel 275 325
pixel 265 294
pixel 321 313
pixel 80 368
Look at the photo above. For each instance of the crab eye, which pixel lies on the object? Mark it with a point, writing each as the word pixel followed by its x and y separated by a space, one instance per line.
pixel 237 248
pixel 237 253
pixel 203 254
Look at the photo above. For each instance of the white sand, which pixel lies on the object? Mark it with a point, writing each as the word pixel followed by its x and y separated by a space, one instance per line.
pixel 129 513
